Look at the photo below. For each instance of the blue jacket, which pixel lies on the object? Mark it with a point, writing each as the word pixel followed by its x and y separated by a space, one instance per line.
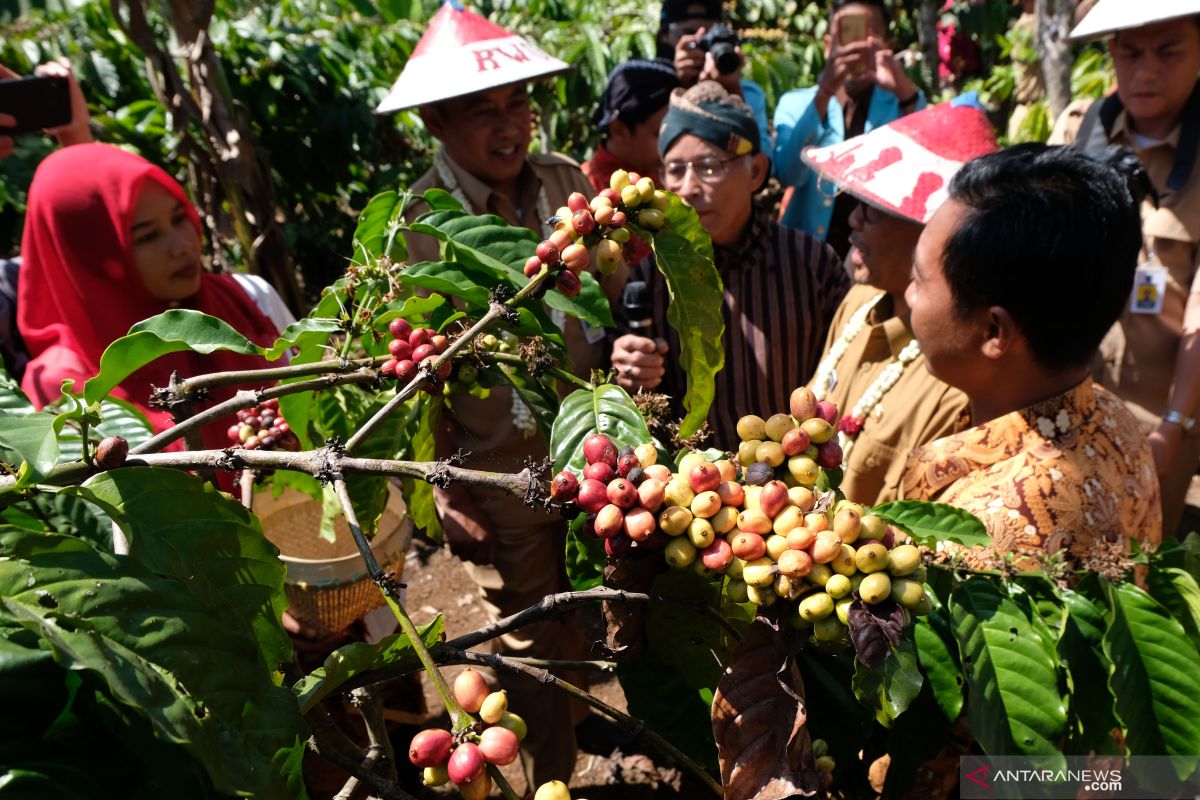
pixel 797 126
pixel 756 98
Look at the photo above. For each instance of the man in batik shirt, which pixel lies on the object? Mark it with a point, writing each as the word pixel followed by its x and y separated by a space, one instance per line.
pixel 1051 462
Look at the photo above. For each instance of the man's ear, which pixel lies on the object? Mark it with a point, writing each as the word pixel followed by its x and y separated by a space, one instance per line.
pixel 1002 334
pixel 431 115
pixel 760 167
pixel 617 131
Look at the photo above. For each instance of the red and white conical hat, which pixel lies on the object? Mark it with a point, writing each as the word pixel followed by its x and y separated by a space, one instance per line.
pixel 462 53
pixel 905 167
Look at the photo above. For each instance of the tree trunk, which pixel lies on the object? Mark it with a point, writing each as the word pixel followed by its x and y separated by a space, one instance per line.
pixel 927 17
pixel 228 169
pixel 1054 19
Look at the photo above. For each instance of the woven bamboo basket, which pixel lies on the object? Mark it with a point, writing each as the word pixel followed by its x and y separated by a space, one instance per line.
pixel 327 582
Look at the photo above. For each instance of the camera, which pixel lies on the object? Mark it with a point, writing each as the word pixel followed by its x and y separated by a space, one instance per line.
pixel 722 42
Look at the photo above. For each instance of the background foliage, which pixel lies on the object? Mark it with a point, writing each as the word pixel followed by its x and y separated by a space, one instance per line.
pixel 307 74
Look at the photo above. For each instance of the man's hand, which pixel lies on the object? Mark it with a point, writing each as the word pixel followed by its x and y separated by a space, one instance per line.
pixel 638 361
pixel 468 531
pixel 889 75
pixel 844 61
pixel 78 130
pixel 1164 445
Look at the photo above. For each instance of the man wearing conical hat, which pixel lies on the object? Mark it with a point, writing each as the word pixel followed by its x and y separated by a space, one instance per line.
pixel 872 367
pixel 467 76
pixel 1151 357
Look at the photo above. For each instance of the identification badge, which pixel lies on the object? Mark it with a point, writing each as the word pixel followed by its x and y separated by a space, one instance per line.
pixel 593 335
pixel 1149 289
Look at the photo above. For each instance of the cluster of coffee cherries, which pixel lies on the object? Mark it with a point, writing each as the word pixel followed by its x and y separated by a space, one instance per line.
pixel 463 757
pixel 620 491
pixel 763 527
pixel 410 347
pixel 262 427
pixel 600 223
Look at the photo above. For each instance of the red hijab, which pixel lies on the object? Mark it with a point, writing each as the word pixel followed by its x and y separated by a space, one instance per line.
pixel 79 289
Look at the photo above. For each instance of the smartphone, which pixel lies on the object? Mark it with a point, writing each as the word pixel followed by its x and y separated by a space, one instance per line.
pixel 852 27
pixel 36 103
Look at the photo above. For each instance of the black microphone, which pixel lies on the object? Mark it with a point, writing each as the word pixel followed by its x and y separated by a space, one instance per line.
pixel 638 308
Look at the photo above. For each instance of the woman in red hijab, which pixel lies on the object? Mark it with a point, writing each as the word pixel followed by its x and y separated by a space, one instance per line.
pixel 111 240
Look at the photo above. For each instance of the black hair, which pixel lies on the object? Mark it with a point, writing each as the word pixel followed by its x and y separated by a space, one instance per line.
pixel 1052 236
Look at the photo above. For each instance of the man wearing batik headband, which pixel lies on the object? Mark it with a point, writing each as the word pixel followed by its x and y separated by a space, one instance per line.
pixel 781 285
pixel 872 367
pixel 1151 357
pixel 467 76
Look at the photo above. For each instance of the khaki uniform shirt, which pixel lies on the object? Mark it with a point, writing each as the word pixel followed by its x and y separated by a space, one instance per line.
pixel 917 409
pixel 484 426
pixel 1137 357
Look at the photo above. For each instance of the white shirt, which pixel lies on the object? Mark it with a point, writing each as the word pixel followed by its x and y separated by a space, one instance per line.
pixel 266 298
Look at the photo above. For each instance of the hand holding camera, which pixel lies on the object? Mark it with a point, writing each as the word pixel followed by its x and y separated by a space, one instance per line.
pixel 710 54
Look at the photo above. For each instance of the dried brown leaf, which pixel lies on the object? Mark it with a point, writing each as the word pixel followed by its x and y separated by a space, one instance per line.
pixel 758 718
pixel 625 634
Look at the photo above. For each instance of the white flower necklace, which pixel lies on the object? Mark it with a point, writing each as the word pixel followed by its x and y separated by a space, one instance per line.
pixel 848 432
pixel 825 377
pixel 522 416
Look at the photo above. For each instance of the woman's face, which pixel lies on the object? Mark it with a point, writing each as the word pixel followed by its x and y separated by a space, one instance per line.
pixel 166 245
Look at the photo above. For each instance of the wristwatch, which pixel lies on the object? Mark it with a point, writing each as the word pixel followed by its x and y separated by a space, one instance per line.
pixel 1175 418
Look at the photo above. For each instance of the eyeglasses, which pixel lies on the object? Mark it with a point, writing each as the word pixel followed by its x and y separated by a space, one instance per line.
pixel 707 170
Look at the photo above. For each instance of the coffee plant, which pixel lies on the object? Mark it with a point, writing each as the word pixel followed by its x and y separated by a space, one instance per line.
pixel 141 642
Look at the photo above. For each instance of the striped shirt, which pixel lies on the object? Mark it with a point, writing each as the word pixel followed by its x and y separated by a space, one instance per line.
pixel 782 288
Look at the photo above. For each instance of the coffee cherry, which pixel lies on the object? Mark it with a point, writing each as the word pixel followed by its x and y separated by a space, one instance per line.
pixel 651 218
pixel 618 234
pixel 608 256
pixel 514 724
pixel 592 496
pixel 583 222
pixel 406 370
pixel 610 520
pixel 829 454
pixel 430 748
pixel 466 763
pixel 661 200
pixel 399 328
pixel 717 555
pixel 636 476
pixel 618 546
pixel 111 452
pixel 650 493
pixel 599 448
pixel 422 352
pixel 568 284
pixel 622 493
pixel 435 776
pixel 758 474
pixel 639 524
pixel 564 488
pixel 617 183
pixel 494 707
pixel 470 689
pixel 576 258
pixel 631 197
pixel 418 337
pixel 577 201
pixel 561 240
pixel 478 789
pixel 803 404
pixel 600 471
pixel 548 253
pixel 827 411
pixel 233 433
pixel 439 342
pixel 533 265
pixel 704 477
pixel 499 746
pixel 627 462
pixel 604 214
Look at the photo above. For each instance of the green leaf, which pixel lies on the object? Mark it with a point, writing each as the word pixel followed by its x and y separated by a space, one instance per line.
pixel 682 635
pixel 33 438
pixel 683 252
pixel 1080 648
pixel 1155 672
pixel 490 244
pixel 1178 591
pixel 354 659
pixel 184 329
pixel 160 647
pixel 1013 707
pixel 606 409
pixel 424 417
pixel 538 396
pixel 584 557
pixel 378 223
pixel 369 494
pixel 929 523
pixel 891 688
pixel 203 538
pixel 938 655
pixel 449 279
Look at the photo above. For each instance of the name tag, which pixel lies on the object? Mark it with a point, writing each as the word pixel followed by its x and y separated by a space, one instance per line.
pixel 593 335
pixel 1149 289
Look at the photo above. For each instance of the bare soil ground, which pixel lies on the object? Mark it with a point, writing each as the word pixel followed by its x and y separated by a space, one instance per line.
pixel 437 583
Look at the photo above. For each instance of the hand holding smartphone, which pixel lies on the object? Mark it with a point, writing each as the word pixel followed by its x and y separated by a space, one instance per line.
pixel 852 28
pixel 36 103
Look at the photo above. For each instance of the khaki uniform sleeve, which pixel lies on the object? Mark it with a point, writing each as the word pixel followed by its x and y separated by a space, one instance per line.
pixel 1066 127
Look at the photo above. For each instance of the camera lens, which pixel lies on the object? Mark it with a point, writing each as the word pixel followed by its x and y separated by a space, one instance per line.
pixel 725 57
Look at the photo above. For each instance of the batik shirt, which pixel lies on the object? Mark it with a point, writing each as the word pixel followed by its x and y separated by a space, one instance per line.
pixel 1073 472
